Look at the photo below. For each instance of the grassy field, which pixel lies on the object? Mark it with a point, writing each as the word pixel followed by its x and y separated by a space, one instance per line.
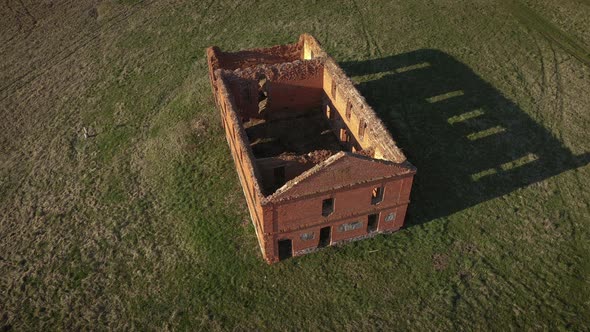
pixel 143 224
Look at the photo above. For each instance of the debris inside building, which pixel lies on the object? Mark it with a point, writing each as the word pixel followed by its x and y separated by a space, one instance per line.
pixel 316 164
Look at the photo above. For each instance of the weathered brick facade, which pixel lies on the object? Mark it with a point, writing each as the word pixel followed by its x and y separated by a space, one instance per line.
pixel 316 164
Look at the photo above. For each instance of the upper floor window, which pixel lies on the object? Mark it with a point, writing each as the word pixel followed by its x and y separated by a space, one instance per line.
pixel 334 90
pixel 327 207
pixel 344 136
pixel 362 127
pixel 377 195
pixel 348 109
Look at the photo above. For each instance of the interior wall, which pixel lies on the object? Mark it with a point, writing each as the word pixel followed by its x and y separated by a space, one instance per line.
pixel 291 88
pixel 259 56
pixel 341 100
pixel 338 125
pixel 294 166
pixel 288 98
pixel 267 167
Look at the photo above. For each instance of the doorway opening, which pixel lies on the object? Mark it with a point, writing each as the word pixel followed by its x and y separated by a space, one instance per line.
pixel 285 249
pixel 325 237
pixel 372 223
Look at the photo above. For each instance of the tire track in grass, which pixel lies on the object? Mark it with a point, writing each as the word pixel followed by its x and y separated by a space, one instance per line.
pixel 18 15
pixel 559 93
pixel 204 13
pixel 372 44
pixel 70 50
pixel 21 16
pixel 534 21
pixel 583 2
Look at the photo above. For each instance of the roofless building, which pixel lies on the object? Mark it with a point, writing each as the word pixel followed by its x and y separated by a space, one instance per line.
pixel 316 164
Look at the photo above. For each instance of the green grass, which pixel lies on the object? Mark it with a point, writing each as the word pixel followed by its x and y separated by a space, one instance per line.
pixel 552 33
pixel 144 224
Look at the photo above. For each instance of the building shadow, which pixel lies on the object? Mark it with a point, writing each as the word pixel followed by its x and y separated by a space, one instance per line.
pixel 469 142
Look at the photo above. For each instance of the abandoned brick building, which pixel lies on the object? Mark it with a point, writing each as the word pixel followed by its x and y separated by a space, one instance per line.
pixel 316 164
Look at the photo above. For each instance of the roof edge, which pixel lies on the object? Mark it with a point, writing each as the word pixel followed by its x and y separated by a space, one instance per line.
pixel 279 194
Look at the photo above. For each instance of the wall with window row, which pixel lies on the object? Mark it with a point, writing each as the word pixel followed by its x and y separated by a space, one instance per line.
pixel 389 220
pixel 300 218
pixel 247 173
pixel 297 217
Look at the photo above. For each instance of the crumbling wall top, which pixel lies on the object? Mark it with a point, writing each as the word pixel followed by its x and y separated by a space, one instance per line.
pixel 341 170
pixel 287 71
pixel 299 61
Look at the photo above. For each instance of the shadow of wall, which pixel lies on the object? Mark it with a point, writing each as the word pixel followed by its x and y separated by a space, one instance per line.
pixel 469 143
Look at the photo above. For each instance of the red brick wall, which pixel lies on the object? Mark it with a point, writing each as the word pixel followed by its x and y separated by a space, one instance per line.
pixel 286 95
pixel 243 157
pixel 295 96
pixel 297 216
pixel 304 216
pixel 293 168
